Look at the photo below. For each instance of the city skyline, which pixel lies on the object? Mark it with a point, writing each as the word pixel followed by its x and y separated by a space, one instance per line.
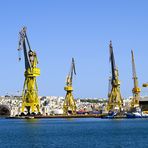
pixel 61 30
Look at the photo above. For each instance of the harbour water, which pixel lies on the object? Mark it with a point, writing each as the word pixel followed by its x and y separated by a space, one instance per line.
pixel 73 133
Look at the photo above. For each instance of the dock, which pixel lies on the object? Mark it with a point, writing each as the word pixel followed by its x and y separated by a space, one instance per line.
pixel 103 116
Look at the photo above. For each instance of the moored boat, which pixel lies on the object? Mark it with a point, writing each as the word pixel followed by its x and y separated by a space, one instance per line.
pixel 134 115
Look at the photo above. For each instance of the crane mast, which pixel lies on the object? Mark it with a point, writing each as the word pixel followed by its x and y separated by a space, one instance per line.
pixel 69 105
pixel 115 101
pixel 136 90
pixel 30 100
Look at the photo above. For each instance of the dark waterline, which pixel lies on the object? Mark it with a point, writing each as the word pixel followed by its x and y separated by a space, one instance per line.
pixel 73 133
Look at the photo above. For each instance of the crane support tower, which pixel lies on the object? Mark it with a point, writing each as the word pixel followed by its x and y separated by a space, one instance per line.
pixel 30 100
pixel 115 102
pixel 69 105
pixel 136 90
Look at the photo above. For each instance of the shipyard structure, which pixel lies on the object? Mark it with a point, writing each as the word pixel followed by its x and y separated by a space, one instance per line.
pixel 53 105
pixel 30 104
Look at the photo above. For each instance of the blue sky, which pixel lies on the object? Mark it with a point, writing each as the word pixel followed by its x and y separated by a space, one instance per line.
pixel 61 29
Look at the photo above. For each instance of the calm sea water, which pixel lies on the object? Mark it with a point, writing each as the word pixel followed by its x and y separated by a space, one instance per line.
pixel 73 133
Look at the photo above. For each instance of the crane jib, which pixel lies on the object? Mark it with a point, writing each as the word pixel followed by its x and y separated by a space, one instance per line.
pixel 113 67
pixel 72 70
pixel 23 42
pixel 133 65
pixel 26 57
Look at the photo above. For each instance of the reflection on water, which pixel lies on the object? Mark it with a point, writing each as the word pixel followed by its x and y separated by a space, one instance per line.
pixel 31 120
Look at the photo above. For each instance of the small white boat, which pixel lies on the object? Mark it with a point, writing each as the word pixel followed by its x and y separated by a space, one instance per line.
pixel 134 115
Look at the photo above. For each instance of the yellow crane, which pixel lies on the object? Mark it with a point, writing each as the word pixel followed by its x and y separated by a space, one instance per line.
pixel 69 105
pixel 115 102
pixel 145 85
pixel 136 90
pixel 30 100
